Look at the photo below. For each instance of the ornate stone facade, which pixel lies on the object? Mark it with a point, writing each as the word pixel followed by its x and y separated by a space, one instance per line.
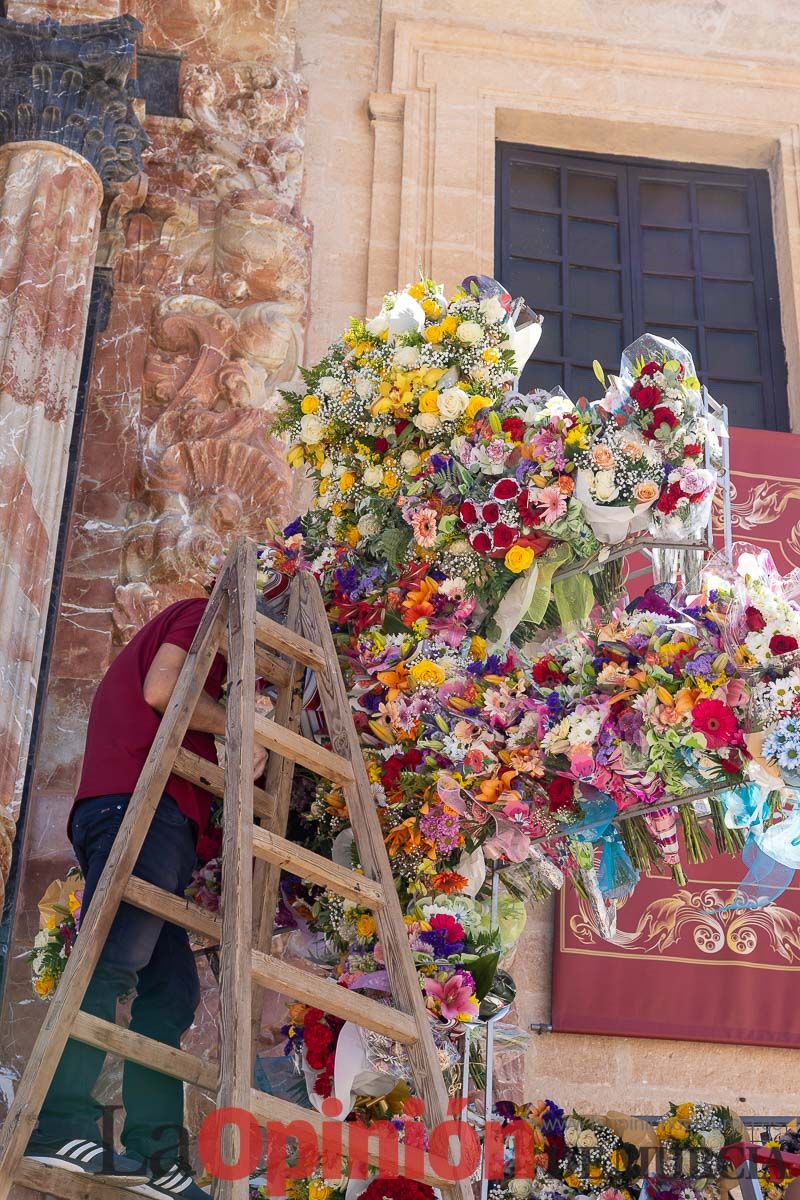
pixel 211 265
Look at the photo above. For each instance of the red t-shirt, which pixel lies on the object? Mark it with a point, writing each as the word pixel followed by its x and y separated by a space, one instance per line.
pixel 123 726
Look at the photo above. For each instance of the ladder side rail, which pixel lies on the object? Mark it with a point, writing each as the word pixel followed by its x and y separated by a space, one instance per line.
pixel 278 784
pixel 237 866
pixel 54 1032
pixel 402 971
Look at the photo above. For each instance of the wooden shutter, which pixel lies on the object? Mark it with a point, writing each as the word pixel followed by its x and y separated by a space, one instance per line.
pixel 607 249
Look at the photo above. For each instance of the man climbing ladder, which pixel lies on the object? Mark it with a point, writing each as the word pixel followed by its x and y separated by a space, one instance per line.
pixel 143 953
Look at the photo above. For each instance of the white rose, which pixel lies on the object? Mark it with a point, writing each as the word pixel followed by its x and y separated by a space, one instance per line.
pixel 364 387
pixel 310 428
pixel 326 469
pixel 368 525
pixel 460 546
pixel 480 374
pixel 373 476
pixel 571 1135
pixel 605 487
pixel 329 386
pixel 325 500
pixel 409 459
pixel 407 357
pixel 492 310
pixel 587 1139
pixel 452 403
pixel 427 422
pixel 469 332
pixel 520 1189
pixel 713 1140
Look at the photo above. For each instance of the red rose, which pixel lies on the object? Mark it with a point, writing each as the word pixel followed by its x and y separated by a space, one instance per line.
pixel 753 619
pixel 480 542
pixel 468 513
pixel 503 536
pixel 650 368
pixel 505 489
pixel 664 416
pixel 692 449
pixel 490 513
pixel 400 426
pixel 781 643
pixel 648 397
pixel 381 445
pixel 316 1058
pixel 397 1189
pixel 560 793
pixel 515 426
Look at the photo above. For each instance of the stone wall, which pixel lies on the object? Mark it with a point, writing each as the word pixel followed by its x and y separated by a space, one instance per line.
pixel 210 257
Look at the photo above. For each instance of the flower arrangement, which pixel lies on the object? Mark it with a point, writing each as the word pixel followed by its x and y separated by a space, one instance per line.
pixel 60 913
pixel 692 1138
pixel 596 1158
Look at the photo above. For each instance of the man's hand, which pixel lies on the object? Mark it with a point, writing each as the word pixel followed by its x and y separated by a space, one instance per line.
pixel 259 761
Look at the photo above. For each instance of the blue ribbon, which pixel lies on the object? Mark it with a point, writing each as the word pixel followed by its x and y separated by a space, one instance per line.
pixel 616 874
pixel 770 855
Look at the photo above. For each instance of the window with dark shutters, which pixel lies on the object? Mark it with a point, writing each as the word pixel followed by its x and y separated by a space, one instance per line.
pixel 608 248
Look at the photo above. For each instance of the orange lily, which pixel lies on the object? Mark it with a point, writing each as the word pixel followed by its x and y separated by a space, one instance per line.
pixel 395 680
pixel 491 790
pixel 406 838
pixel 418 603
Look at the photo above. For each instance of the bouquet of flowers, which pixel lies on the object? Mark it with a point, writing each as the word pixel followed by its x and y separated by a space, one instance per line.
pixel 596 1158
pixel 692 1138
pixel 762 613
pixel 59 918
pixel 619 480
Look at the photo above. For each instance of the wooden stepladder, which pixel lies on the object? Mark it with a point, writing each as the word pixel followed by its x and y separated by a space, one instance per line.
pixel 279 653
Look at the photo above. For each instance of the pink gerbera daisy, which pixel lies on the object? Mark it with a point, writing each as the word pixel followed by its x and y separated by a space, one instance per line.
pixel 552 501
pixel 423 522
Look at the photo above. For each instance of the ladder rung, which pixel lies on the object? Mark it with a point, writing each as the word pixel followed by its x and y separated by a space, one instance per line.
pixel 303 751
pixel 270 667
pixel 181 912
pixel 270 633
pixel 313 868
pixel 55 1181
pixel 288 980
pixel 266 1107
pixel 212 777
pixel 144 1050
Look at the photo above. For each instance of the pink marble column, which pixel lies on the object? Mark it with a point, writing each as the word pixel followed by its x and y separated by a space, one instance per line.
pixel 50 200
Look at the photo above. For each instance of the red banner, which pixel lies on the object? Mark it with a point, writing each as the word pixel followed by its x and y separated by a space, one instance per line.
pixel 680 968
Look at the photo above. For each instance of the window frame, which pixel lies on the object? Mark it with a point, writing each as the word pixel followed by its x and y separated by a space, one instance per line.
pixel 629 172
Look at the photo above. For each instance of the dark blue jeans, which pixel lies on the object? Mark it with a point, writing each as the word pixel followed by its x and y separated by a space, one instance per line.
pixel 142 953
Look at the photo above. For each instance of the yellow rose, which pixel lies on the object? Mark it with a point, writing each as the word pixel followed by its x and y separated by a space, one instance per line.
pixel 450 324
pixel 390 482
pixel 573 1181
pixel 44 986
pixel 429 402
pixel 476 404
pixel 353 536
pixel 432 308
pixel 491 354
pixel 337 509
pixel 51 922
pixel 433 333
pixel 309 404
pixel 417 291
pixel 427 673
pixel 365 925
pixel 346 482
pixel 519 558
pixel 318 1190
pixel 323 486
pixel 477 649
pixel 684 1112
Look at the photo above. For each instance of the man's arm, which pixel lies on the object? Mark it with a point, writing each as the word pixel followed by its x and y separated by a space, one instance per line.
pixel 209 716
